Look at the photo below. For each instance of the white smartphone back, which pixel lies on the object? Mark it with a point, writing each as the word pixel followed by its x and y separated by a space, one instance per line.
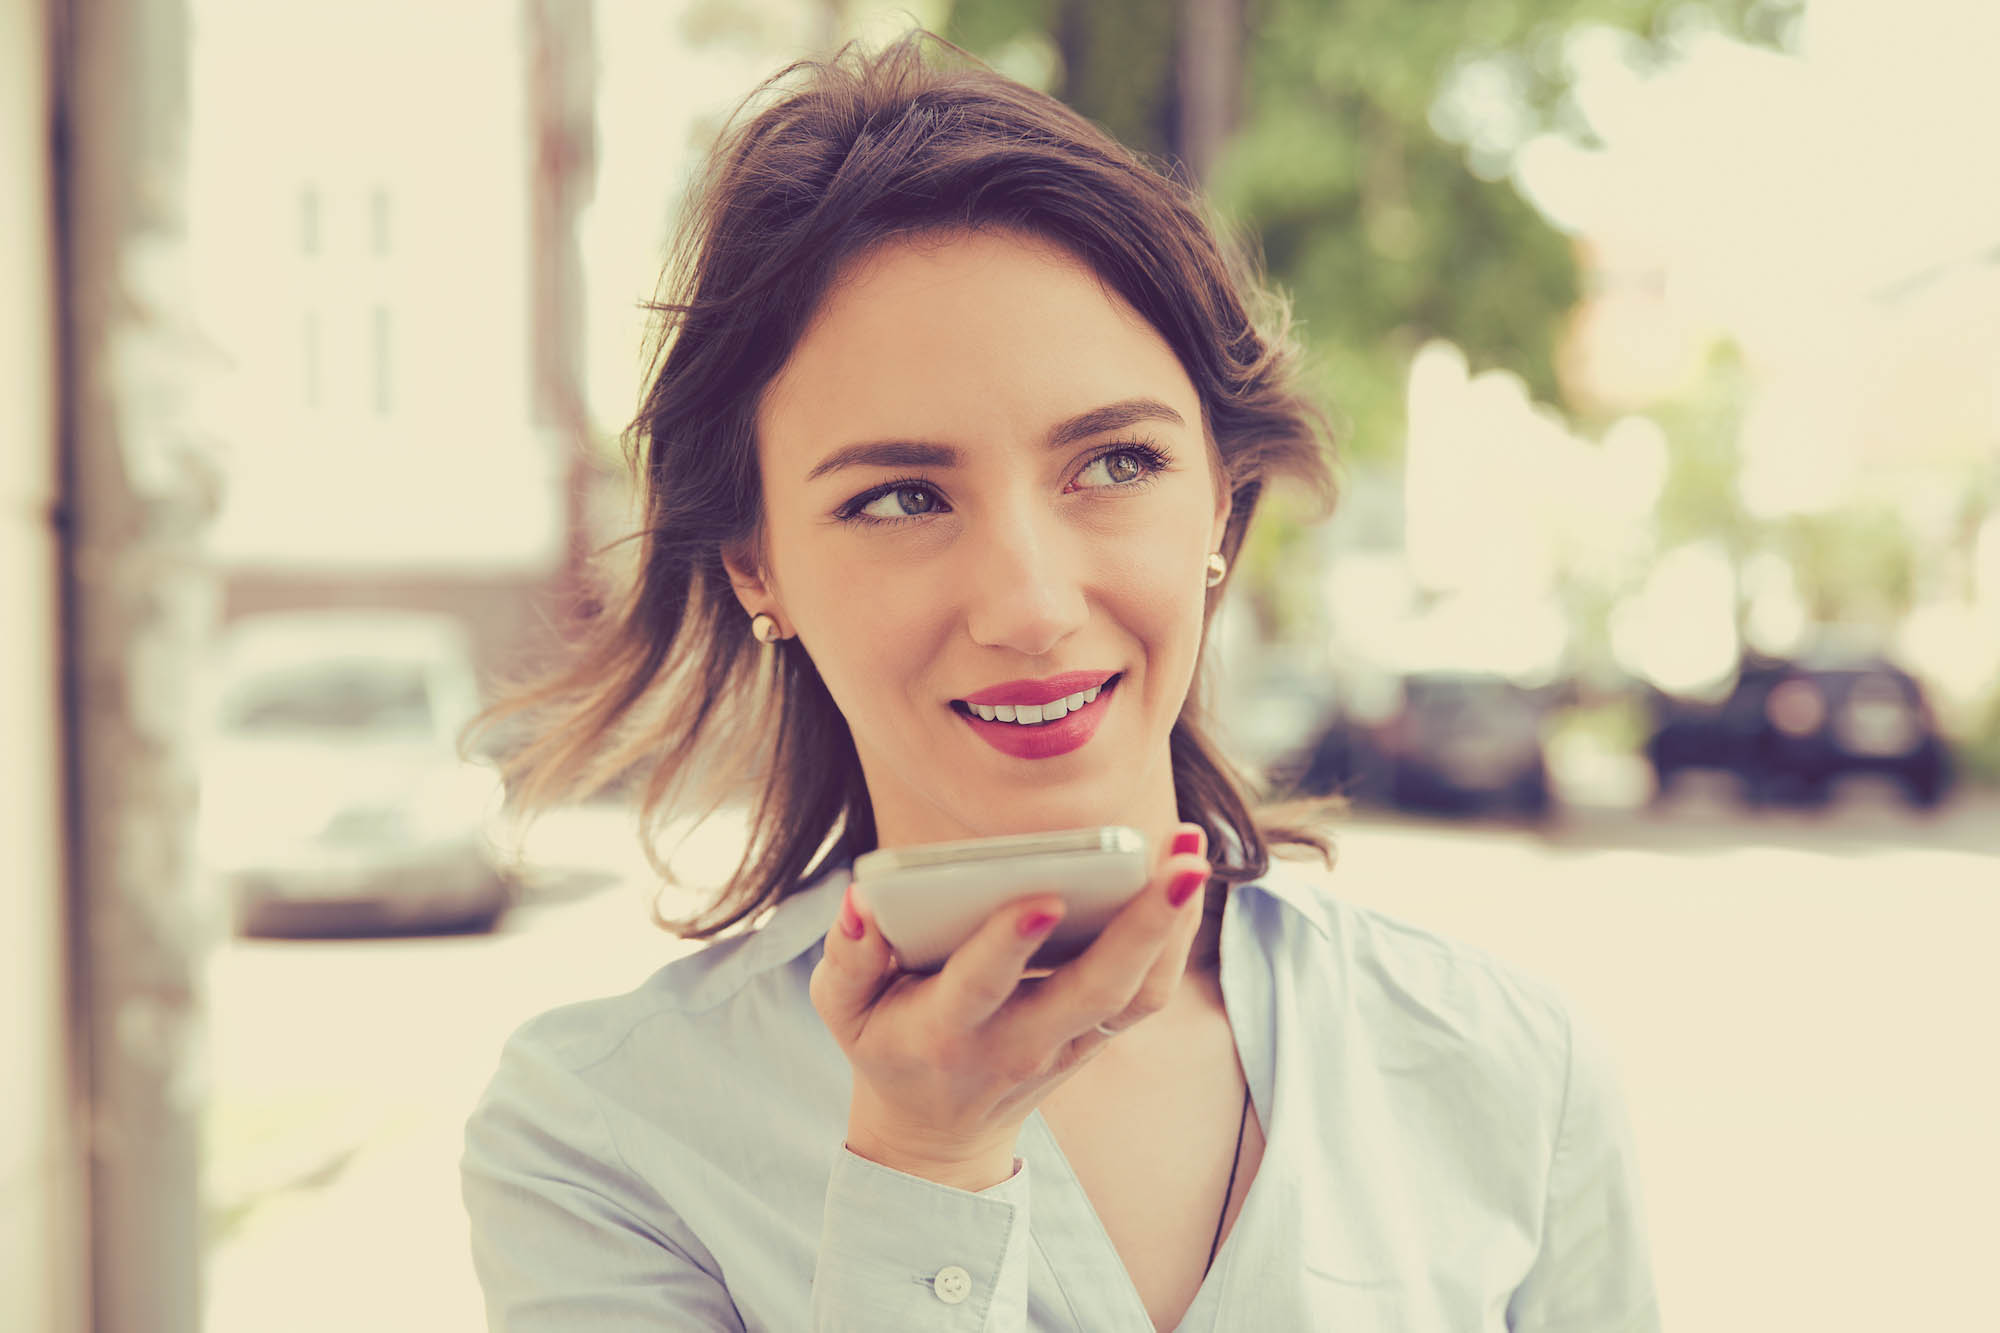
pixel 929 900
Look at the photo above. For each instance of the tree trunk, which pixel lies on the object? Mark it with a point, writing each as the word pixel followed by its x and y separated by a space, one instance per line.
pixel 1211 76
pixel 138 496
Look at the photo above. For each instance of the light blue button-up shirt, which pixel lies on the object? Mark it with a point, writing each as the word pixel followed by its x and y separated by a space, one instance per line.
pixel 1446 1150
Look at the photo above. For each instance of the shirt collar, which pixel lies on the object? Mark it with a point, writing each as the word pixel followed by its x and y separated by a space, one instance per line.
pixel 1299 887
pixel 801 921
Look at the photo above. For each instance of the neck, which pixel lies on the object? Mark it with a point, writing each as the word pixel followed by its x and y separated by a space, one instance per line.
pixel 1164 1039
pixel 1205 954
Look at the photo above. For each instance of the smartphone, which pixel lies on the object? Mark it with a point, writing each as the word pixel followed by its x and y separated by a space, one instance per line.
pixel 929 900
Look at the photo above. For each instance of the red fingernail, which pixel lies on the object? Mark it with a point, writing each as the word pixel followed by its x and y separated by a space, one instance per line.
pixel 1186 844
pixel 1036 923
pixel 1183 888
pixel 850 920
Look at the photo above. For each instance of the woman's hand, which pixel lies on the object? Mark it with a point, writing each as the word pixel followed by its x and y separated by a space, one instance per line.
pixel 947 1067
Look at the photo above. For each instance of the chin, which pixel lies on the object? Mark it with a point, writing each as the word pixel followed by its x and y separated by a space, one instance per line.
pixel 1051 813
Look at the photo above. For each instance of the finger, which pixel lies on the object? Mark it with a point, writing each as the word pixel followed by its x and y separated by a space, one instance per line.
pixel 983 972
pixel 1164 977
pixel 851 974
pixel 1104 980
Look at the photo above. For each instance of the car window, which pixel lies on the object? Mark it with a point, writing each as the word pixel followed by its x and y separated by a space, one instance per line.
pixel 1880 687
pixel 1434 692
pixel 1472 693
pixel 377 697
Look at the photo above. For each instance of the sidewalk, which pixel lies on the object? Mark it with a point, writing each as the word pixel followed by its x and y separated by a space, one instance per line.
pixel 343 1072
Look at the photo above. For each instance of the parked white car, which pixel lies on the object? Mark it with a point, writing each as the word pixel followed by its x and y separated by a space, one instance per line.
pixel 333 797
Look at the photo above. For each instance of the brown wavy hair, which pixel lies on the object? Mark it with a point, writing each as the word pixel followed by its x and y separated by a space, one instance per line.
pixel 827 160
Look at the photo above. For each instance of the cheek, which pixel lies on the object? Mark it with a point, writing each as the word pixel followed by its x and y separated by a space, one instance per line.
pixel 1162 558
pixel 1157 590
pixel 867 636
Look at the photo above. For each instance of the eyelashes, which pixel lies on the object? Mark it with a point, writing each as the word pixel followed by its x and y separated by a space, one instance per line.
pixel 1151 460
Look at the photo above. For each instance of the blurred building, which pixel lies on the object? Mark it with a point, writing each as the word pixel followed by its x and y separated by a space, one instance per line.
pixel 383 201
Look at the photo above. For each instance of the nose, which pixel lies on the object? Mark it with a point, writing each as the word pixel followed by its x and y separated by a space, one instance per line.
pixel 1025 584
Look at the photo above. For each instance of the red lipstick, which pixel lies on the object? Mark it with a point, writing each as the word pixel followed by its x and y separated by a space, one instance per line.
pixel 1046 740
pixel 1038 692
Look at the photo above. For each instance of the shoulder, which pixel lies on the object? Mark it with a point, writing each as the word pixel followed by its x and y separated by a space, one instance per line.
pixel 704 1067
pixel 689 1003
pixel 1411 988
pixel 1470 1063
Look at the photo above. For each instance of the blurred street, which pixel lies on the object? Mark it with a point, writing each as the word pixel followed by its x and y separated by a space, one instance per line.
pixel 1655 346
pixel 1801 1005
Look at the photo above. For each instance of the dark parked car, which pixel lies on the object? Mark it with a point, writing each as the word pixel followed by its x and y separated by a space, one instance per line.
pixel 1448 739
pixel 1788 729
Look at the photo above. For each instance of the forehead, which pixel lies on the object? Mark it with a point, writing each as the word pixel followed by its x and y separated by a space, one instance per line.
pixel 942 335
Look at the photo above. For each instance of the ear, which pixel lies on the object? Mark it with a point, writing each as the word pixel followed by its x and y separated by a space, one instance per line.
pixel 752 589
pixel 1221 522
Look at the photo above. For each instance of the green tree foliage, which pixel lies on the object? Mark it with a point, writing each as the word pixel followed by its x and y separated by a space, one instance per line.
pixel 1701 498
pixel 1853 563
pixel 1384 231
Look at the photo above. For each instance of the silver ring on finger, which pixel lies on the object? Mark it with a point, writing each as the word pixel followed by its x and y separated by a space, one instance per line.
pixel 1109 1032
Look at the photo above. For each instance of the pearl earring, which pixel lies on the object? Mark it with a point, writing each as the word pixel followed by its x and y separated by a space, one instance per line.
pixel 1217 567
pixel 764 628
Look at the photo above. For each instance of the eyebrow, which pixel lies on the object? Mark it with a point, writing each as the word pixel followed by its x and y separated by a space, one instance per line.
pixel 920 453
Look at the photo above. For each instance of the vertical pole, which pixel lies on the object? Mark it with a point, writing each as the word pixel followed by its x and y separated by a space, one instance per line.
pixel 1211 59
pixel 138 498
pixel 43 1179
pixel 562 129
pixel 826 24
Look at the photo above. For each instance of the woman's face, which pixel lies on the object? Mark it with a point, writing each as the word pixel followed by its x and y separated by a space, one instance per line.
pixel 980 468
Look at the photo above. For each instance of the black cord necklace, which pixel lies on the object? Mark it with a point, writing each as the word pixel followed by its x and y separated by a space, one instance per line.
pixel 1229 1192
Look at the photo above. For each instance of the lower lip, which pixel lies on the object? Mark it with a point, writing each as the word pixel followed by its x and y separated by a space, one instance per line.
pixel 1050 738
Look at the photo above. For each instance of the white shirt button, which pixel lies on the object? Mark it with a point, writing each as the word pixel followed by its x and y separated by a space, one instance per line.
pixel 952 1284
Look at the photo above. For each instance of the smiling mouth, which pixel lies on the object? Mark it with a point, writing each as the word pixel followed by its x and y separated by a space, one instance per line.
pixel 1018 714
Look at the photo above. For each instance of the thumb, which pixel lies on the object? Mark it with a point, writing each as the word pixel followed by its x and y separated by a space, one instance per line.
pixel 853 971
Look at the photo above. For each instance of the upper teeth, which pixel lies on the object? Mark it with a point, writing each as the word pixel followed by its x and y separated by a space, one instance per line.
pixel 1032 714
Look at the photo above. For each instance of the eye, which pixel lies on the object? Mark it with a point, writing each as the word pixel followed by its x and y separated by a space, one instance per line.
pixel 904 499
pixel 1125 465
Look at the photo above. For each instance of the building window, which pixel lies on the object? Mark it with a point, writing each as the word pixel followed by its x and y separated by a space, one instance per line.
pixel 309 360
pixel 309 221
pixel 378 221
pixel 381 361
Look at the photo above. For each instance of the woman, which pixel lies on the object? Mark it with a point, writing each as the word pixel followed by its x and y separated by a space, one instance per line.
pixel 960 402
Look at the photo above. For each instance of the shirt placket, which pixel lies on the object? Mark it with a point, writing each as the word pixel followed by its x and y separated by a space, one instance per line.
pixel 1249 989
pixel 1066 1228
pixel 1090 1275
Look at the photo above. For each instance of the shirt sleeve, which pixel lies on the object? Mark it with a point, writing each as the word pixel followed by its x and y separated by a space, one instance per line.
pixel 565 1238
pixel 1593 1271
pixel 901 1252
